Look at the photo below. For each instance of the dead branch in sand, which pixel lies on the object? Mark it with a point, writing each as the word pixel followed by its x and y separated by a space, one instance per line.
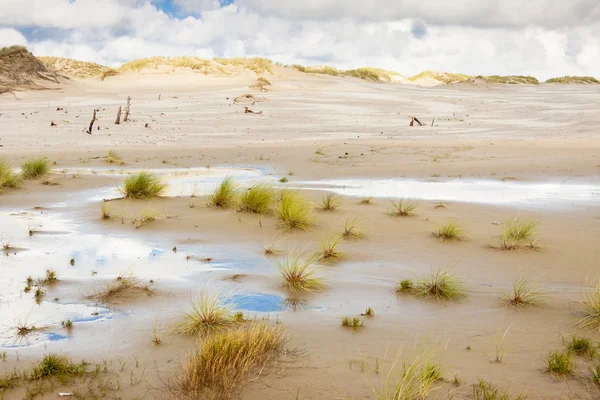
pixel 118 120
pixel 249 111
pixel 92 123
pixel 126 117
pixel 415 119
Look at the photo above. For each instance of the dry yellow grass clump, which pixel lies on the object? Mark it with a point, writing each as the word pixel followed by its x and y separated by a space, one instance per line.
pixel 217 65
pixel 74 68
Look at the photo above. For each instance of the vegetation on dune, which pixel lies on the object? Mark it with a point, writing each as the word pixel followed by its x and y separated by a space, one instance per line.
pixel 443 77
pixel 34 168
pixel 224 196
pixel 403 208
pixel 300 274
pixel 449 231
pixel 216 65
pixel 74 68
pixel 123 287
pixel 208 314
pixel 222 361
pixel 591 306
pixel 105 211
pixel 353 323
pixel 518 233
pixel 351 229
pixel 581 346
pixel 405 285
pixel 366 73
pixel 143 185
pixel 441 284
pixel 329 252
pixel 575 80
pixel 483 390
pixel 10 50
pixel 559 363
pixel 510 79
pixel 147 214
pixel 330 201
pixel 294 211
pixel 113 157
pixel 257 199
pixel 525 293
pixel 8 179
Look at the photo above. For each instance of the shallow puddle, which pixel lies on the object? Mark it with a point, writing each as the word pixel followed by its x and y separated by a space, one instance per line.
pixel 259 302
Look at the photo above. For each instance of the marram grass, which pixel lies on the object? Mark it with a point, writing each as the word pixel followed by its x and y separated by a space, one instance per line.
pixel 258 199
pixel 449 231
pixel 525 293
pixel 441 284
pixel 294 211
pixel 143 185
pixel 8 179
pixel 207 315
pixel 299 274
pixel 224 195
pixel 403 208
pixel 330 202
pixel 34 168
pixel 591 306
pixel 519 232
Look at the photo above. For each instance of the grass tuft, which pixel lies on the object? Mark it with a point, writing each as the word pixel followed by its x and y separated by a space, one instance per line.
pixel 403 208
pixel 257 199
pixel 365 200
pixel 591 307
pixel 271 246
pixel 559 363
pixel 525 293
pixel 405 285
pixel 294 212
pixel 519 233
pixel 113 157
pixel 441 284
pixel 483 390
pixel 208 314
pixel 124 286
pixel 369 312
pixel 449 231
pixel 351 229
pixel 581 346
pixel 143 185
pixel 224 195
pixel 330 202
pixel 8 179
pixel 56 366
pixel 147 214
pixel 595 374
pixel 353 323
pixel 299 274
pixel 329 252
pixel 34 168
pixel 105 211
pixel 222 362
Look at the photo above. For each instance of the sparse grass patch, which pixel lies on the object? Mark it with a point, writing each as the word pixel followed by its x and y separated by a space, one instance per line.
pixel 68 324
pixel 441 284
pixel 123 287
pixel 524 293
pixel 369 312
pixel 143 185
pixel 405 285
pixel 39 294
pixel 224 195
pixel 208 314
pixel 330 202
pixel 294 211
pixel 283 179
pixel 113 157
pixel 329 252
pixel 595 370
pixel 34 168
pixel 105 211
pixel 403 208
pixel 449 231
pixel 147 214
pixel 591 306
pixel 351 229
pixel 519 233
pixel 257 199
pixel 580 346
pixel 8 179
pixel 483 390
pixel 50 278
pixel 223 361
pixel 271 246
pixel 56 366
pixel 23 329
pixel 559 363
pixel 299 274
pixel 365 200
pixel 353 323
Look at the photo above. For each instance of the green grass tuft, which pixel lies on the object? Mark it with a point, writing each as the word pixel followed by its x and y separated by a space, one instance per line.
pixel 113 157
pixel 525 293
pixel 147 214
pixel 329 252
pixel 581 346
pixel 224 196
pixel 56 366
pixel 483 390
pixel 257 199
pixel 34 168
pixel 8 179
pixel 351 229
pixel 330 202
pixel 124 286
pixel 405 285
pixel 559 363
pixel 143 185
pixel 591 307
pixel 299 274
pixel 208 314
pixel 105 211
pixel 441 284
pixel 294 211
pixel 403 208
pixel 353 323
pixel 518 233
pixel 595 370
pixel 449 231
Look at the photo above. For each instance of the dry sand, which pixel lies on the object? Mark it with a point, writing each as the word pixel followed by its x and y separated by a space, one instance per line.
pixel 319 127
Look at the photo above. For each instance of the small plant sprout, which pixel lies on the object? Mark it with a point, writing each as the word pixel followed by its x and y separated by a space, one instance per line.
pixel 405 285
pixel 441 284
pixel 330 202
pixel 3 356
pixel 113 157
pixel 369 312
pixel 283 179
pixel 351 229
pixel 143 185
pixel 24 329
pixel 595 370
pixel 299 274
pixel 499 348
pixel 271 246
pixel 559 363
pixel 365 200
pixel 50 278
pixel 146 215
pixel 403 208
pixel 68 324
pixel 353 323
pixel 591 306
pixel 581 346
pixel 449 231
pixel 34 168
pixel 39 295
pixel 524 293
pixel 105 211
pixel 483 390
pixel 156 339
pixel 519 233
pixel 329 252
pixel 294 212
pixel 72 262
pixel 224 196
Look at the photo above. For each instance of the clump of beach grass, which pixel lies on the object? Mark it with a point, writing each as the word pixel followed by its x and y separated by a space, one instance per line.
pixel 24 329
pixel 405 285
pixel 441 284
pixel 595 370
pixel 329 252
pixel 257 199
pixel 122 287
pixel 56 366
pixel 403 208
pixel 208 314
pixel 581 346
pixel 330 202
pixel 449 231
pixel 483 390
pixel 299 274
pixel 67 324
pixel 525 293
pixel 8 179
pixel 105 211
pixel 50 278
pixel 519 233
pixel 39 295
pixel 353 323
pixel 351 229
pixel 271 246
pixel 147 214
pixel 34 168
pixel 143 185
pixel 224 195
pixel 113 157
pixel 559 363
pixel 223 361
pixel 591 306
pixel 369 312
pixel 294 211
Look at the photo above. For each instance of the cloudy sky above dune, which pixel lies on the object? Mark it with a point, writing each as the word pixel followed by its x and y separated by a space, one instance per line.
pixel 543 38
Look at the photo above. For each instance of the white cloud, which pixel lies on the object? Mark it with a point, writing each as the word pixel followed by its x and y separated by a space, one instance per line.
pixel 472 36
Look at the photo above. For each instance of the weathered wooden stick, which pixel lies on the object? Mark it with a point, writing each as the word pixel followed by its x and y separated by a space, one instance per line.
pixel 92 123
pixel 118 120
pixel 127 109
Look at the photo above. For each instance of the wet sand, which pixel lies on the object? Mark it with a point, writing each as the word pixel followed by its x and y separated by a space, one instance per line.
pixel 322 129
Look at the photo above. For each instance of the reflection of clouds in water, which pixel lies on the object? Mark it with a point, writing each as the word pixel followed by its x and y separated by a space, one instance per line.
pixel 256 302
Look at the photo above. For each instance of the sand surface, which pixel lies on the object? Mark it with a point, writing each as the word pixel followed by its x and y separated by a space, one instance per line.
pixel 312 129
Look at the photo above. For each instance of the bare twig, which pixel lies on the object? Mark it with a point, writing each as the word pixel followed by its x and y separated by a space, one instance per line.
pixel 118 120
pixel 92 123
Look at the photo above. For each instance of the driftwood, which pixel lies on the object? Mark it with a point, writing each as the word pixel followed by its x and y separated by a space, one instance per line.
pixel 413 120
pixel 118 120
pixel 126 117
pixel 249 111
pixel 159 96
pixel 52 123
pixel 92 123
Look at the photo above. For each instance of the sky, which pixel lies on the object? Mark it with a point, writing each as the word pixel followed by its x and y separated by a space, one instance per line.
pixel 543 38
